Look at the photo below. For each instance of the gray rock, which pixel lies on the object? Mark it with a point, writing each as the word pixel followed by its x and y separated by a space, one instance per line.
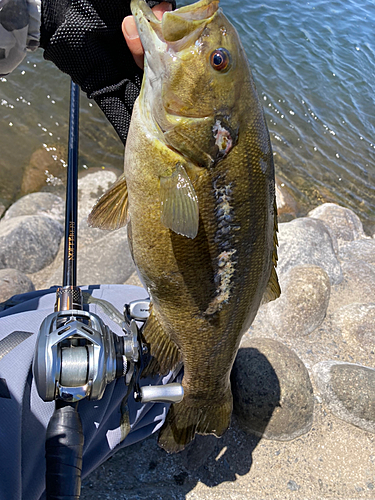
pixel 358 273
pixel 356 323
pixel 47 204
pixel 293 486
pixel 342 223
pixel 197 453
pixel 13 282
pixel 348 391
pixel 302 305
pixel 103 257
pixel 90 187
pixel 358 250
pixel 357 286
pixel 272 392
pixel 308 241
pixel 88 236
pixel 108 261
pixel 29 243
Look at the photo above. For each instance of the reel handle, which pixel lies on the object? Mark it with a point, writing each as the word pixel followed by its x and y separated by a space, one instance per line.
pixel 64 449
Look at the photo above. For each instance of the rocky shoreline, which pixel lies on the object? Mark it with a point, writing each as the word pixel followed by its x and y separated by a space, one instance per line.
pixel 304 378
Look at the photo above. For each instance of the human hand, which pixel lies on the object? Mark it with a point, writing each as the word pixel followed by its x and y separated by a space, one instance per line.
pixel 131 35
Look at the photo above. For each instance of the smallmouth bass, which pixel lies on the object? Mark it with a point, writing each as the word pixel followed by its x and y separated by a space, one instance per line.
pixel 198 195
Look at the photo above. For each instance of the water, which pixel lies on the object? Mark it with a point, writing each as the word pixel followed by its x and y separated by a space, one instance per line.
pixel 314 66
pixel 34 115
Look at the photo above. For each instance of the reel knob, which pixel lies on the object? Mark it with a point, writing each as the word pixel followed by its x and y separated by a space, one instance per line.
pixel 168 393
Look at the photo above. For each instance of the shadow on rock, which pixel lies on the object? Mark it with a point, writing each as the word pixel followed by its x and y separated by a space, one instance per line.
pixel 272 392
pixel 256 390
pixel 144 471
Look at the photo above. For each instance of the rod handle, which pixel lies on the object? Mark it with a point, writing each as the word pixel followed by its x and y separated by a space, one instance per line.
pixel 64 448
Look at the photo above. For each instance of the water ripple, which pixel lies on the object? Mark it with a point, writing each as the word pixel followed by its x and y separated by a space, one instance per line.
pixel 314 67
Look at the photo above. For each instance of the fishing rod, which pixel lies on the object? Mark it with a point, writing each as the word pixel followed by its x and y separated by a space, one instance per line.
pixel 64 438
pixel 77 355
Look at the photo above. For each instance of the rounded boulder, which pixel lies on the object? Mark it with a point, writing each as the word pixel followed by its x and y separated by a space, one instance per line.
pixel 308 241
pixel 303 303
pixel 13 282
pixel 348 391
pixel 47 204
pixel 29 243
pixel 272 391
pixel 342 222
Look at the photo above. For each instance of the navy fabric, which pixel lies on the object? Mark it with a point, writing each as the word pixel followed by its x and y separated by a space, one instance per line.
pixel 24 416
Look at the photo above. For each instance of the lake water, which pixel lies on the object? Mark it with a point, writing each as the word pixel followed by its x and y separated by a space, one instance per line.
pixel 314 67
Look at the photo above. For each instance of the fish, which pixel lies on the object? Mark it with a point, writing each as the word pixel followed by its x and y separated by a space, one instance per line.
pixel 198 197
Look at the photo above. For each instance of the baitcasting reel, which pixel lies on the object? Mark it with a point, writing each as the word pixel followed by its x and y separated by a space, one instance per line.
pixel 77 355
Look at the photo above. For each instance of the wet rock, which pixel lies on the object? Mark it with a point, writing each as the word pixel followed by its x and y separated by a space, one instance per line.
pixel 348 391
pixel 2 209
pixel 358 250
pixel 29 243
pixel 342 223
pixel 13 282
pixel 308 241
pixel 303 303
pixel 272 392
pixel 47 204
pixel 47 165
pixel 356 323
pixel 287 207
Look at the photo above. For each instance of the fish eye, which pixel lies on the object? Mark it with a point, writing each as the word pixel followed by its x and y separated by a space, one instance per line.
pixel 220 59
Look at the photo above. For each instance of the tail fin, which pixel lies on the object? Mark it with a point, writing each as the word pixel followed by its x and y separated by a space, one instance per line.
pixel 191 417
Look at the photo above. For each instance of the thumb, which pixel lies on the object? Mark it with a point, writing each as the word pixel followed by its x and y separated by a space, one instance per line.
pixel 129 29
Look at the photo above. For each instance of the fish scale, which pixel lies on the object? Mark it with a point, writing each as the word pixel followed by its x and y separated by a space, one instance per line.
pixel 200 202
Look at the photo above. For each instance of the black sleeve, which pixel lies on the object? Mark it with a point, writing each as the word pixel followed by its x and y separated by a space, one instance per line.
pixel 84 39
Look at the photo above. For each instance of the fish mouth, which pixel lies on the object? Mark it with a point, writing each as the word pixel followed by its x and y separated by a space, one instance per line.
pixel 175 26
pixel 164 40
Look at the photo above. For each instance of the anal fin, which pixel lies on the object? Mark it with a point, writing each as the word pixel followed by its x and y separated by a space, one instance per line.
pixel 164 351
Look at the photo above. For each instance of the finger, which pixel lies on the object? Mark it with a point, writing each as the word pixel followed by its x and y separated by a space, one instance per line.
pixel 131 35
pixel 162 7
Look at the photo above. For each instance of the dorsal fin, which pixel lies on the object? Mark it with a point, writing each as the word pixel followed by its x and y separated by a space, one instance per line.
pixel 273 288
pixel 111 210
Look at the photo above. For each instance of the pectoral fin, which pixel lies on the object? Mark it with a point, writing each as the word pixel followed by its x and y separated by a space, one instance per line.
pixel 111 210
pixel 179 203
